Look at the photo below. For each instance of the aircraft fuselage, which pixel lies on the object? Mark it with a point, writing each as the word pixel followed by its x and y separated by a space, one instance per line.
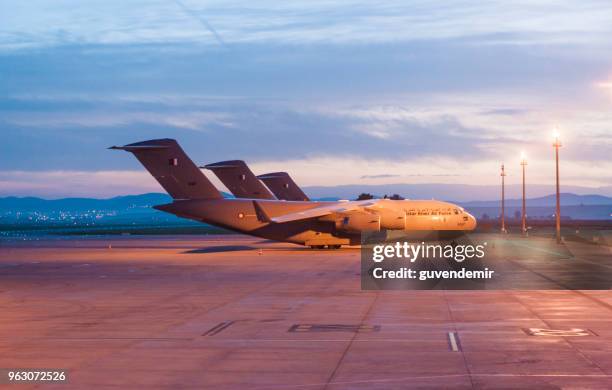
pixel 241 215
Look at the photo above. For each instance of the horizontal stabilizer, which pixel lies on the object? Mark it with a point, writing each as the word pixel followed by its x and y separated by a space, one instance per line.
pixel 132 148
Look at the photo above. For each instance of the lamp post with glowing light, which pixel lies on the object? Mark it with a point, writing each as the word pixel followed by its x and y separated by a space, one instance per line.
pixel 557 145
pixel 503 198
pixel 524 214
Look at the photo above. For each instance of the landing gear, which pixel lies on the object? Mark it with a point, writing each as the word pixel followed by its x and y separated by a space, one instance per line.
pixel 331 246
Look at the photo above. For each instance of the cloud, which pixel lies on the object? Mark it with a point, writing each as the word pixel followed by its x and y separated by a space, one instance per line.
pixel 71 133
pixel 39 23
pixel 379 176
pixel 314 171
pixel 221 131
pixel 505 111
pixel 182 120
pixel 420 88
pixel 411 175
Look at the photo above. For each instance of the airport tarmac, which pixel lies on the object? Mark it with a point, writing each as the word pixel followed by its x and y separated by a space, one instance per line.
pixel 232 311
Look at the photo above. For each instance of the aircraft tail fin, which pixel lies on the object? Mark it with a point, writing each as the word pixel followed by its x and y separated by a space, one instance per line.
pixel 240 180
pixel 172 168
pixel 283 186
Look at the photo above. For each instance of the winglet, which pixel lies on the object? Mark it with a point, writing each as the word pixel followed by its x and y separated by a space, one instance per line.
pixel 261 214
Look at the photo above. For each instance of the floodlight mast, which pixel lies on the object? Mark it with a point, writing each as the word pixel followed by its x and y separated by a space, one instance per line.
pixel 503 200
pixel 524 211
pixel 557 145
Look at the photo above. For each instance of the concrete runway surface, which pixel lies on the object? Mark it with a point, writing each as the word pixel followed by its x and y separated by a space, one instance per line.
pixel 229 312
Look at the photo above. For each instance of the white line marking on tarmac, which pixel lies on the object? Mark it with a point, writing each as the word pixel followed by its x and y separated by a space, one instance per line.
pixel 453 342
pixel 559 332
pixel 540 249
pixel 302 341
pixel 443 376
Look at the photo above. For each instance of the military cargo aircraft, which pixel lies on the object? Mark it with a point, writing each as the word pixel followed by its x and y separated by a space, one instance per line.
pixel 311 223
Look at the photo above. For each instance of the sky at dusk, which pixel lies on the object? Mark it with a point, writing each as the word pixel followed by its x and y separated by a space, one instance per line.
pixel 335 92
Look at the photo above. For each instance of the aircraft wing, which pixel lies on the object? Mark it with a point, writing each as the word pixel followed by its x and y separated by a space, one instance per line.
pixel 321 211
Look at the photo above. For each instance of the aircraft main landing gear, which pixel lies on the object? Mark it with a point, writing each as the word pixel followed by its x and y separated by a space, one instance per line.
pixel 331 246
pixel 317 246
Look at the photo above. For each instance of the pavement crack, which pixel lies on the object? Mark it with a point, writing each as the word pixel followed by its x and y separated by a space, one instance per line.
pixel 350 343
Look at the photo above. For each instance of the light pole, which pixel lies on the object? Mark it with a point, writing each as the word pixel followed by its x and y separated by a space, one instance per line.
pixel 524 213
pixel 557 145
pixel 503 198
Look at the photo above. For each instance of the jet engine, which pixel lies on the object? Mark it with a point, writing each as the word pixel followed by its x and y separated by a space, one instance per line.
pixel 359 222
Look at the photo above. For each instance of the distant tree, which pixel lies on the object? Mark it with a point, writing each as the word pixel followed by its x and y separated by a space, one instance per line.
pixel 365 196
pixel 485 216
pixel 517 214
pixel 396 197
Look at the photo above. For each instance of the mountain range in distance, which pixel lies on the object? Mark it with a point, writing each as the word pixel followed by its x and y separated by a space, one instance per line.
pixel 34 204
pixel 459 193
pixel 145 201
pixel 566 199
pixel 133 214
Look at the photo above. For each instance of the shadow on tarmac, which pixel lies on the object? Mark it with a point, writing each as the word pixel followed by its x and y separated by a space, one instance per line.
pixel 222 248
